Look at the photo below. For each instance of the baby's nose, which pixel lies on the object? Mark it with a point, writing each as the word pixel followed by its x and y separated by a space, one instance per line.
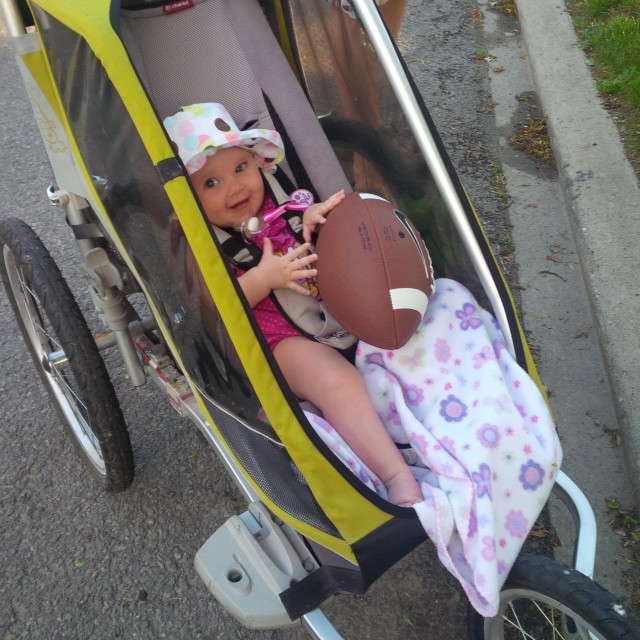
pixel 235 185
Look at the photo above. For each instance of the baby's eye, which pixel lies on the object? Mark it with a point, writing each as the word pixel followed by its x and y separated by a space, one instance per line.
pixel 211 182
pixel 241 167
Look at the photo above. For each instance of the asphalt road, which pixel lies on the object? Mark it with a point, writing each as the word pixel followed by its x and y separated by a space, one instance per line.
pixel 77 563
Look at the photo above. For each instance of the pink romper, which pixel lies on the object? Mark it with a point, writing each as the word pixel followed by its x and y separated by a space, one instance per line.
pixel 272 323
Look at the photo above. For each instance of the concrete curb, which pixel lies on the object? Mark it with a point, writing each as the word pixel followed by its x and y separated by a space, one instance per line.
pixel 602 197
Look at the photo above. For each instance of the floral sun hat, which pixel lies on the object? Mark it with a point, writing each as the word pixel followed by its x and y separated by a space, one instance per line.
pixel 199 130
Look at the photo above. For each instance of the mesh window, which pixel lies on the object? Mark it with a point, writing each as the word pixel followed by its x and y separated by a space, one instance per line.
pixel 134 198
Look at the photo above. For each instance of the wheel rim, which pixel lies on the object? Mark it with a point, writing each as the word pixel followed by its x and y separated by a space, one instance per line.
pixel 52 360
pixel 530 615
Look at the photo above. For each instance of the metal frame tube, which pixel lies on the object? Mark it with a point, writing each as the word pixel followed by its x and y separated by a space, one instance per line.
pixel 383 45
pixel 12 18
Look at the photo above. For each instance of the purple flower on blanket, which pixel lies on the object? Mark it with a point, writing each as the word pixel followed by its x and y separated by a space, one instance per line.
pixel 374 358
pixel 489 435
pixel 482 480
pixel 486 355
pixel 413 395
pixel 452 409
pixel 468 317
pixel 531 475
pixel 442 350
pixel 516 524
pixel 542 441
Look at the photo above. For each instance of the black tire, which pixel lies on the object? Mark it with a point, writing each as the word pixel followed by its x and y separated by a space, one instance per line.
pixel 79 385
pixel 542 599
pixel 383 169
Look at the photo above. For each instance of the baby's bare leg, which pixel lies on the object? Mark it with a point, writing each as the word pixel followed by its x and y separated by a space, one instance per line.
pixel 319 374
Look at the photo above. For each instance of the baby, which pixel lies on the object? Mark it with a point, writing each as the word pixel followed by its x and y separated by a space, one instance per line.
pixel 224 165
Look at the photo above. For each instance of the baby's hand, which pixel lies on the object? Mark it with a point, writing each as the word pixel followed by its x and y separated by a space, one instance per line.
pixel 317 214
pixel 280 272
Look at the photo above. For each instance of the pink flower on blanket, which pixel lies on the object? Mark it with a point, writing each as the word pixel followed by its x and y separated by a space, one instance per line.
pixel 419 442
pixel 442 350
pixel 486 355
pixel 531 475
pixel 498 346
pixel 468 317
pixel 516 524
pixel 393 416
pixel 448 445
pixel 473 523
pixel 488 548
pixel 489 435
pixel 453 409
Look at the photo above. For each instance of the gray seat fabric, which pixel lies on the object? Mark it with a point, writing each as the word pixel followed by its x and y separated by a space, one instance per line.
pixel 224 51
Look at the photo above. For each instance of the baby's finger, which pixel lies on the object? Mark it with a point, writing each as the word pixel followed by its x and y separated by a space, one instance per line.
pixel 304 274
pixel 306 260
pixel 299 252
pixel 336 199
pixel 298 288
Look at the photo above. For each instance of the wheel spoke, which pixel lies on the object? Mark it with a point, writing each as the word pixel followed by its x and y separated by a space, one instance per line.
pixel 528 615
pixel 60 379
pixel 66 354
pixel 548 614
pixel 515 624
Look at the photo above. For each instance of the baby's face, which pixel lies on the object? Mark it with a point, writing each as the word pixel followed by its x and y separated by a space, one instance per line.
pixel 229 187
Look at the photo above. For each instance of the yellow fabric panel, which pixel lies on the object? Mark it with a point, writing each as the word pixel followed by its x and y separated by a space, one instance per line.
pixel 35 63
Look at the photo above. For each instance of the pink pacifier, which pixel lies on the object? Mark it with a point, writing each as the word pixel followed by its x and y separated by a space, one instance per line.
pixel 301 199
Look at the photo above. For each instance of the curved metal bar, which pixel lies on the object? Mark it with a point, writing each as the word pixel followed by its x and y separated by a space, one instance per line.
pixel 396 75
pixel 584 555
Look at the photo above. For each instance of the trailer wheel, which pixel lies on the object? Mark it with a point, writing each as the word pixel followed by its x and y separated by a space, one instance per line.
pixel 66 355
pixel 542 599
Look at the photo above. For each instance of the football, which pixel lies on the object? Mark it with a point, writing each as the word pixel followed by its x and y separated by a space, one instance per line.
pixel 374 270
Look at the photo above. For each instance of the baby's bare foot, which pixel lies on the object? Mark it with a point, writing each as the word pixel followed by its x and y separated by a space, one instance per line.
pixel 403 489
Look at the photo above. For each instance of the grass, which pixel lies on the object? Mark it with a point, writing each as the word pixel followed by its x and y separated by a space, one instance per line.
pixel 610 33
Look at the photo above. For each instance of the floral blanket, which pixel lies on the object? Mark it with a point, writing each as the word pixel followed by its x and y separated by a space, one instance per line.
pixel 477 432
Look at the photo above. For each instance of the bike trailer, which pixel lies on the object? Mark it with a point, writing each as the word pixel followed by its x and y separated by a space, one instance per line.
pixel 101 76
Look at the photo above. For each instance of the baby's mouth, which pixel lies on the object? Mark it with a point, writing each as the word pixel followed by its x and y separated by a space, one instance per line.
pixel 242 204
